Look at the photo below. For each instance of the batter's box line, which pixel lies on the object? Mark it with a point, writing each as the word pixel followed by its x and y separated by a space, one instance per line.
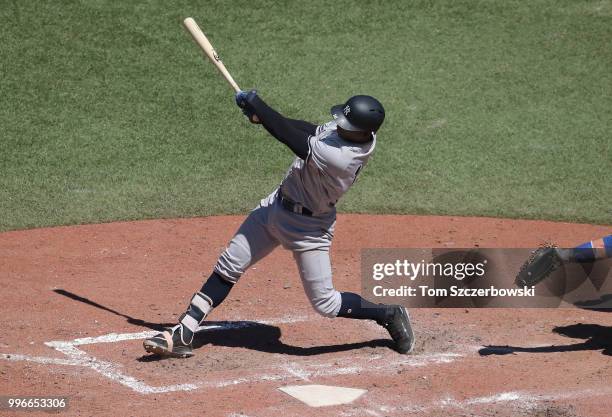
pixel 305 372
pixel 525 400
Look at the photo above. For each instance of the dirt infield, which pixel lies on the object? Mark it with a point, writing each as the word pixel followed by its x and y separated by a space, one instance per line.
pixel 76 302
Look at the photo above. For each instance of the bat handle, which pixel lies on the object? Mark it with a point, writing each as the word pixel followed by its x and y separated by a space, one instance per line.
pixel 234 85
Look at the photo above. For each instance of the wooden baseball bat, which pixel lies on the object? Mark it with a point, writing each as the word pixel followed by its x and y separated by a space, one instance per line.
pixel 204 44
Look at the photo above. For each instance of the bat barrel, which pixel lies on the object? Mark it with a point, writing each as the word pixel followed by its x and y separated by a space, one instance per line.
pixel 203 42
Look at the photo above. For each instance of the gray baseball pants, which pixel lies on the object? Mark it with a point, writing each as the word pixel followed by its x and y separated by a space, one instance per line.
pixel 308 238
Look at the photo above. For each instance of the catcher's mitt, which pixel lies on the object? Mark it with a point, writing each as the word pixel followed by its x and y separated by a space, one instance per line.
pixel 542 262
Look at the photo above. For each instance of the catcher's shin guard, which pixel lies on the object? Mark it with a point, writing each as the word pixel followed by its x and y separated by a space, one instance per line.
pixel 177 341
pixel 398 325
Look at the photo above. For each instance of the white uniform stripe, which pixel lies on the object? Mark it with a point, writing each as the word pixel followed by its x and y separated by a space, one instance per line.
pixel 202 302
pixel 189 322
pixel 169 340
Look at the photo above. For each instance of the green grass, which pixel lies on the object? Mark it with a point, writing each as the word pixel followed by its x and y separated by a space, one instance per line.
pixel 494 107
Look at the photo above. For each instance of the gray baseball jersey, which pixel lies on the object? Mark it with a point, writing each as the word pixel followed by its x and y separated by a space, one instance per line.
pixel 317 183
pixel 328 172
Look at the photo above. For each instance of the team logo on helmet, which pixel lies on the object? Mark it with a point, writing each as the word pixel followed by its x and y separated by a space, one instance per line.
pixel 346 110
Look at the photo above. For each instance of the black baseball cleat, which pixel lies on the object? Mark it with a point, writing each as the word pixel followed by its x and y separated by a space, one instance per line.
pixel 169 343
pixel 397 323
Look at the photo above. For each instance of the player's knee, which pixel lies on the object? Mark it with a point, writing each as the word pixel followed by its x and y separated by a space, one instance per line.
pixel 230 267
pixel 327 304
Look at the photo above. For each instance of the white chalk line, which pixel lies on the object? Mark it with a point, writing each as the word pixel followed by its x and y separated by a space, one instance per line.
pixel 119 337
pixel 39 359
pixel 524 400
pixel 293 370
pixel 112 371
pixel 344 366
pixel 521 399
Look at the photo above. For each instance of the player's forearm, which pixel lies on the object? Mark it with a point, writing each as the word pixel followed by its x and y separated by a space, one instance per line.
pixel 286 130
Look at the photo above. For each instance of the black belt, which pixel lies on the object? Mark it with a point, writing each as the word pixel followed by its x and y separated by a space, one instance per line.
pixel 294 207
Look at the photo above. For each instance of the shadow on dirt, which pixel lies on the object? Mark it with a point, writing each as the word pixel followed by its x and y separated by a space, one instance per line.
pixel 244 334
pixel 602 304
pixel 131 320
pixel 595 336
pixel 263 338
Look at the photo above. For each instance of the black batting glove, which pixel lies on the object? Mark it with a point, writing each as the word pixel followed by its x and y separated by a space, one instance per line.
pixel 242 101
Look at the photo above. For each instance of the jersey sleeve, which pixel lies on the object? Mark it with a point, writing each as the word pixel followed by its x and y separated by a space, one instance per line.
pixel 287 131
pixel 325 126
pixel 303 125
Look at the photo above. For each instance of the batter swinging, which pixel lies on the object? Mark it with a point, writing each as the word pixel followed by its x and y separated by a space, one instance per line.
pixel 299 215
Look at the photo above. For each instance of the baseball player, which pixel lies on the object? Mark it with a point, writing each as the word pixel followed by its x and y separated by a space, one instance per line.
pixel 299 215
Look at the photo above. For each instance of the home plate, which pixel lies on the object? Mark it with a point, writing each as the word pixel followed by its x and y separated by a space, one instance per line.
pixel 323 395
